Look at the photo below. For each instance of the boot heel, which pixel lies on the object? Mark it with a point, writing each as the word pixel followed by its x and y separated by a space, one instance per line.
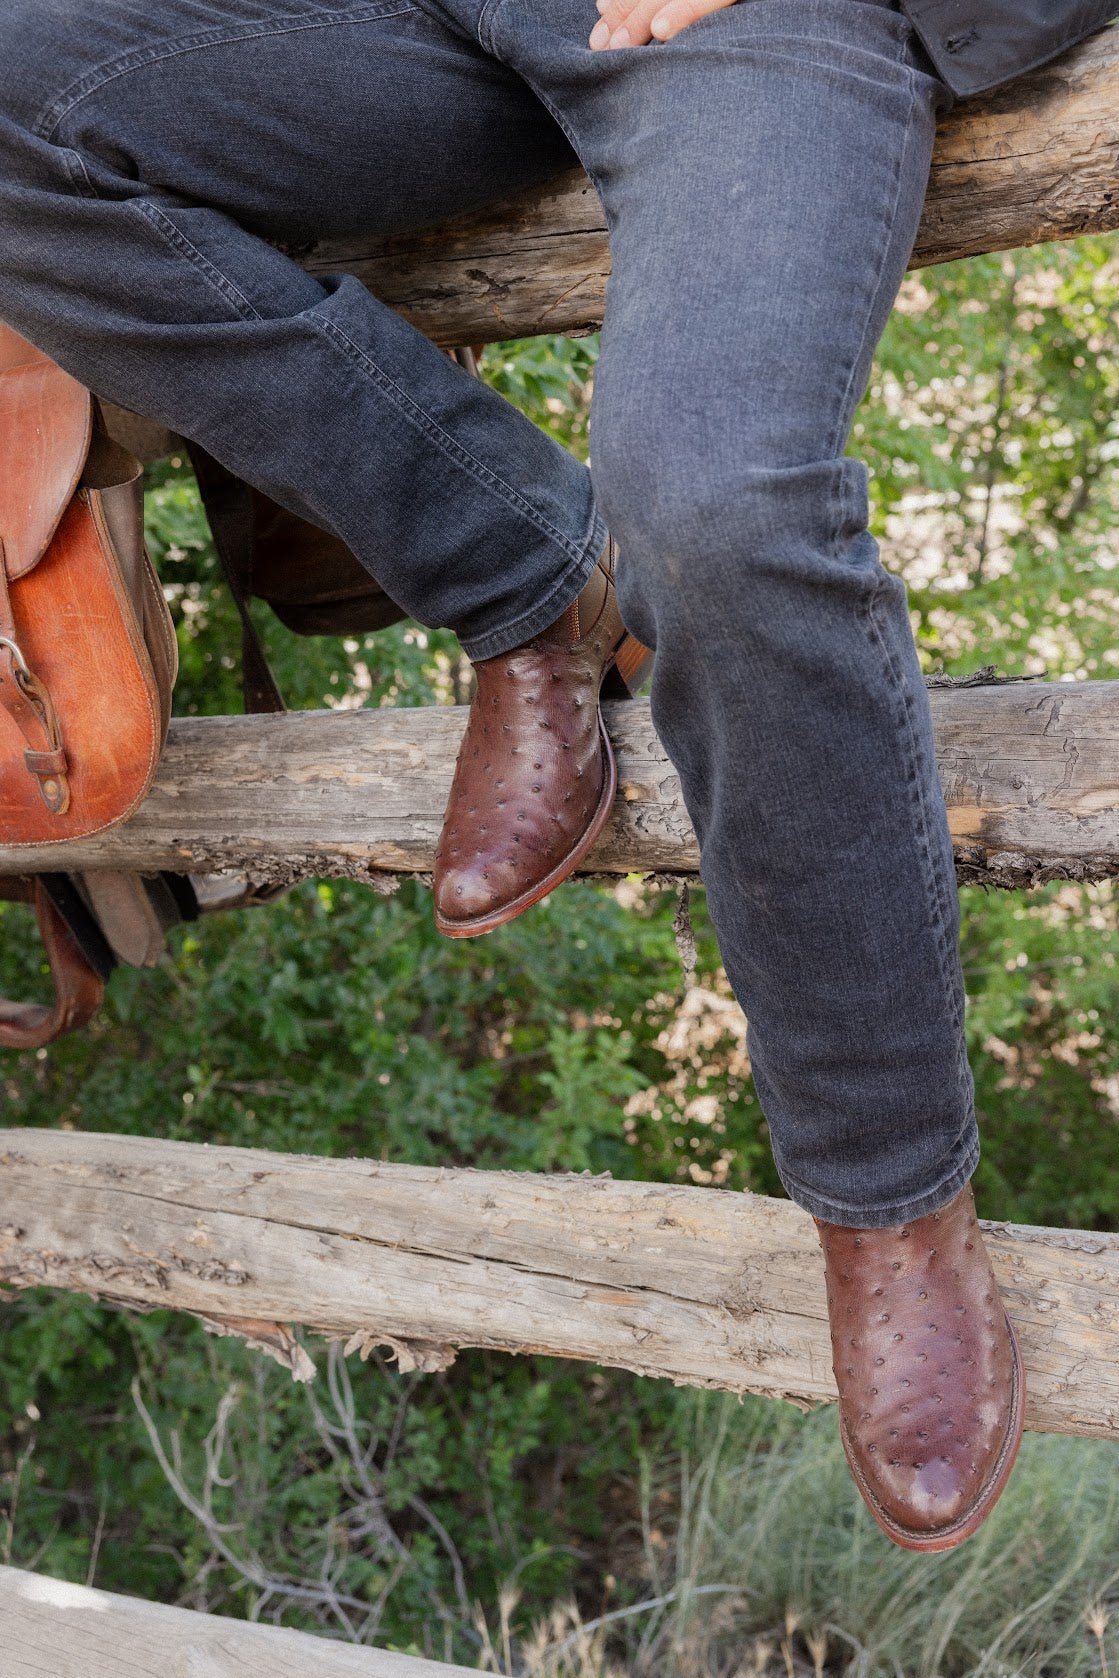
pixel 631 669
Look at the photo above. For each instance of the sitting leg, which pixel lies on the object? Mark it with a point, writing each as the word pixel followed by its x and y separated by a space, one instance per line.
pixel 152 167
pixel 763 174
pixel 152 159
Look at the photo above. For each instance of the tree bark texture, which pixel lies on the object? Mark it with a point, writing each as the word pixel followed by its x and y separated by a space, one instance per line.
pixel 703 1287
pixel 1030 772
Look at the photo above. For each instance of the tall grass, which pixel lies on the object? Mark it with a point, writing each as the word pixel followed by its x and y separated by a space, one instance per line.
pixel 774 1566
pixel 747 1553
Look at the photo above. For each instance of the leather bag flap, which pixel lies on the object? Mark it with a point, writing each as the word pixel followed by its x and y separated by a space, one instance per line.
pixel 46 421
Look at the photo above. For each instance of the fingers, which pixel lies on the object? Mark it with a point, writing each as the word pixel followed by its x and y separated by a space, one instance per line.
pixel 670 18
pixel 614 18
pixel 633 23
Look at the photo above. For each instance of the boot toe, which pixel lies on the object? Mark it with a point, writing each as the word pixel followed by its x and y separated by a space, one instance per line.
pixel 926 1486
pixel 468 891
pixel 463 893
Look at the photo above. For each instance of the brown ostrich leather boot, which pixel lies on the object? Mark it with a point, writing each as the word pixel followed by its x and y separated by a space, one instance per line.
pixel 931 1391
pixel 535 778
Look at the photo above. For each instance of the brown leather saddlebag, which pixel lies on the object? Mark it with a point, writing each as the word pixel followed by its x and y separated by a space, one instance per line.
pixel 88 656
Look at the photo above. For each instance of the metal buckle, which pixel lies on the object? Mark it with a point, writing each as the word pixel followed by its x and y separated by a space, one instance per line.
pixel 20 661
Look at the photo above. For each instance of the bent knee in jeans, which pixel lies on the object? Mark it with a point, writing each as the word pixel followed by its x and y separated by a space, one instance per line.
pixel 719 534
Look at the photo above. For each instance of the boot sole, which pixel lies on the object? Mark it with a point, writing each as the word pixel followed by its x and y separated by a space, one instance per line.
pixel 948 1537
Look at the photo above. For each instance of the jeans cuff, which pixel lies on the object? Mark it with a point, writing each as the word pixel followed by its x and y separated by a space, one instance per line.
pixel 965 1158
pixel 570 583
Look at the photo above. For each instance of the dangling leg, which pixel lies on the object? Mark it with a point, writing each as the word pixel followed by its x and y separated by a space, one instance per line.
pixel 763 174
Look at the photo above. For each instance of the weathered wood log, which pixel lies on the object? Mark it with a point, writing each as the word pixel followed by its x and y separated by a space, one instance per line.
pixel 1038 159
pixel 701 1286
pixel 50 1629
pixel 1030 771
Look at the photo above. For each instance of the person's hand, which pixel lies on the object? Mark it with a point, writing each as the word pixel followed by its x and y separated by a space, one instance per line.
pixel 631 23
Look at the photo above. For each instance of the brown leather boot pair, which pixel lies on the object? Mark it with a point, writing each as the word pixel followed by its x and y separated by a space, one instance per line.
pixel 535 779
pixel 931 1390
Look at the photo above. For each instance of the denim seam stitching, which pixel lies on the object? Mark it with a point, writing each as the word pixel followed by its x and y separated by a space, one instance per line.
pixel 940 890
pixel 934 894
pixel 485 20
pixel 592 173
pixel 74 163
pixel 934 891
pixel 443 439
pixel 558 117
pixel 178 241
pixel 51 119
pixel 935 904
pixel 899 174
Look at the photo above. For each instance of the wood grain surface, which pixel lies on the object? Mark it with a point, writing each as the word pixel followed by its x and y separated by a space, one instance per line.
pixel 1030 771
pixel 698 1286
pixel 49 1629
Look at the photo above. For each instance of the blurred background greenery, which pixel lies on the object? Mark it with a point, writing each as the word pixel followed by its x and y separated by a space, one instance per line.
pixel 533 1516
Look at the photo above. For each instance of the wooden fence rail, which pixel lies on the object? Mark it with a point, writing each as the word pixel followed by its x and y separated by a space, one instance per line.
pixel 1030 771
pixel 49 1629
pixel 700 1286
pixel 1038 159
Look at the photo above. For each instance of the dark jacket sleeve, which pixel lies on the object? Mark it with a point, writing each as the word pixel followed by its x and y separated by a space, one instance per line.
pixel 977 44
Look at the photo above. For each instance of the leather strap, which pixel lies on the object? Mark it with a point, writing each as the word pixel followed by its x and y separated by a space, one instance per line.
pixel 81 952
pixel 81 922
pixel 28 702
pixel 229 508
pixel 78 989
pixel 136 911
pixel 180 889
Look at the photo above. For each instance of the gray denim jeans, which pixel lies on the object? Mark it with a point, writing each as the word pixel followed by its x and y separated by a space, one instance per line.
pixel 763 176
